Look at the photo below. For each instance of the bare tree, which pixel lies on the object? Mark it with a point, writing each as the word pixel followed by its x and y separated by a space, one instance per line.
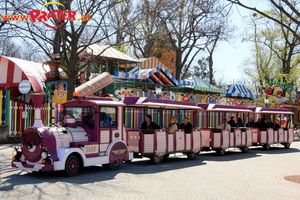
pixel 289 9
pixel 66 38
pixel 184 26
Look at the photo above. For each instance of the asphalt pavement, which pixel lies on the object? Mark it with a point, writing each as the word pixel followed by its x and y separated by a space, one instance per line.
pixel 258 174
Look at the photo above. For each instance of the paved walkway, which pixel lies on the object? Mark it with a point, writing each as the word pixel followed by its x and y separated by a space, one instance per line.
pixel 258 174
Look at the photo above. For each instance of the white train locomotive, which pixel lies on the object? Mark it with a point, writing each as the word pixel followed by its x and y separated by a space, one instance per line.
pixel 80 142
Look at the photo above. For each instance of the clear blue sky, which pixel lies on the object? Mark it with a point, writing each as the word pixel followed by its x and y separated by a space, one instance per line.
pixel 229 56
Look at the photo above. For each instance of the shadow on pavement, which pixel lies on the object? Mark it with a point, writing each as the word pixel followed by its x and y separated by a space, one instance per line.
pixel 95 173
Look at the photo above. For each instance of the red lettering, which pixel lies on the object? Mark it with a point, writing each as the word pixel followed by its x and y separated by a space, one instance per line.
pixel 72 15
pixel 64 15
pixel 5 17
pixel 34 14
pixel 58 13
pixel 51 14
pixel 43 16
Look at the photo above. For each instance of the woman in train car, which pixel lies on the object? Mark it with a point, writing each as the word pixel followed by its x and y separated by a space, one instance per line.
pixel 172 126
pixel 149 124
pixel 186 125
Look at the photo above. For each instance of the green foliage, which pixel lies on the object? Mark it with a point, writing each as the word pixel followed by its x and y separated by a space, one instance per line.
pixel 275 51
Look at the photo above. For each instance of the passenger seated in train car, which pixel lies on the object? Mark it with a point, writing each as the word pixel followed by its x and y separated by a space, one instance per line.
pixel 239 122
pixel 257 123
pixel 270 124
pixel 172 126
pixel 250 123
pixel 231 122
pixel 149 124
pixel 224 125
pixel 276 125
pixel 263 123
pixel 186 125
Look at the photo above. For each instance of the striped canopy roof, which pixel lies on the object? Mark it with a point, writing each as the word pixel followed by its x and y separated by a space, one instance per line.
pixel 200 84
pixel 237 90
pixel 158 74
pixel 107 51
pixel 14 70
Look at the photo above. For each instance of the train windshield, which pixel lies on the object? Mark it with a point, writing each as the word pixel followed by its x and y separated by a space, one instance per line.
pixel 81 114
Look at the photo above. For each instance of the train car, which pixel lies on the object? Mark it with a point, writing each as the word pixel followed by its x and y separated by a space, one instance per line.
pixel 267 136
pixel 92 133
pixel 221 139
pixel 157 143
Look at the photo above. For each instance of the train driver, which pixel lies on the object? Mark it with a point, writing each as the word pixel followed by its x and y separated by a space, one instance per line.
pixel 149 124
pixel 186 125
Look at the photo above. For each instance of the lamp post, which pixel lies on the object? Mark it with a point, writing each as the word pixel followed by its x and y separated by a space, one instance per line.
pixel 266 100
pixel 158 90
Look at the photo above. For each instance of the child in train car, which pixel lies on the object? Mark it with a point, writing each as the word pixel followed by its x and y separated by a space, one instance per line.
pixel 186 125
pixel 149 124
pixel 172 126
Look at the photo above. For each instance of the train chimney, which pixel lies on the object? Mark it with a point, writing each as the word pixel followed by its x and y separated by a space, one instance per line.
pixel 37 99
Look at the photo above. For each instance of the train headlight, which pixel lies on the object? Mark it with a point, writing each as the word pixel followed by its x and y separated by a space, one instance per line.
pixel 14 152
pixel 44 155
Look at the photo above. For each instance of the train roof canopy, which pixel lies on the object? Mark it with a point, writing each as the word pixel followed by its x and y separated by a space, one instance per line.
pixel 85 101
pixel 273 110
pixel 229 108
pixel 160 103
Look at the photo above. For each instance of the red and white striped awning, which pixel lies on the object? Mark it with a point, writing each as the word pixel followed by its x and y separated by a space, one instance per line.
pixel 14 70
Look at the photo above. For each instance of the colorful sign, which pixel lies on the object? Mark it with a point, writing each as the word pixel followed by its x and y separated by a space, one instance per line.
pixel 60 92
pixel 58 15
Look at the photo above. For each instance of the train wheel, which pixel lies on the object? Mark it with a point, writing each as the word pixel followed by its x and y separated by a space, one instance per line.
pixel 113 166
pixel 72 166
pixel 155 159
pixel 287 145
pixel 166 156
pixel 245 149
pixel 267 147
pixel 221 152
pixel 191 155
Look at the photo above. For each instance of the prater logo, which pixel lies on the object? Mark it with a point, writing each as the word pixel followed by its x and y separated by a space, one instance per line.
pixel 44 16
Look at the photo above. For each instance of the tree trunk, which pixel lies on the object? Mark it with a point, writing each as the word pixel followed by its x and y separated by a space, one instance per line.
pixel 211 70
pixel 178 64
pixel 71 85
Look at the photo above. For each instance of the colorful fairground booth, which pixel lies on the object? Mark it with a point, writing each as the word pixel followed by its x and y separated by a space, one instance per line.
pixel 16 113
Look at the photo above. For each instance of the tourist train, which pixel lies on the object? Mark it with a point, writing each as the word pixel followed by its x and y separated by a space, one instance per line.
pixel 98 130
